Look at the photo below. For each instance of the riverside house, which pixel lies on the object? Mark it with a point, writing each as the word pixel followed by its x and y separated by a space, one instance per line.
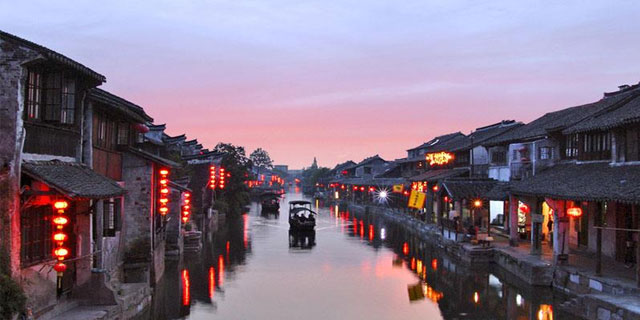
pixel 87 186
pixel 47 174
pixel 592 190
pixel 525 152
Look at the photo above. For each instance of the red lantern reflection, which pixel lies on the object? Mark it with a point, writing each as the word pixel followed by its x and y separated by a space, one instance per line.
pixel 405 249
pixel 212 282
pixel 186 288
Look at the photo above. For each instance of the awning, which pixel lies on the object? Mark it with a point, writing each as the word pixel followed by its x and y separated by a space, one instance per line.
pixel 499 192
pixel 73 179
pixel 439 174
pixel 584 182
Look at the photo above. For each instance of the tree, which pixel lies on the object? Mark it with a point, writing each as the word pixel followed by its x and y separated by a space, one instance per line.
pixel 235 162
pixel 260 158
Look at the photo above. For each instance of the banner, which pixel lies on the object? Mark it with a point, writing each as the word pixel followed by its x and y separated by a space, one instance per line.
pixel 416 199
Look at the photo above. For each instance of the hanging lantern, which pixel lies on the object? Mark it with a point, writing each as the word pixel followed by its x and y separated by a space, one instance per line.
pixel 186 207
pixel 435 188
pixel 477 203
pixel 60 220
pixel 60 253
pixel 61 205
pixel 212 177
pixel 60 267
pixel 575 212
pixel 164 191
pixel 222 178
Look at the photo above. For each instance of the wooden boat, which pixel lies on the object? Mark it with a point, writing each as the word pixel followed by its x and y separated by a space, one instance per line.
pixel 301 217
pixel 270 202
pixel 302 239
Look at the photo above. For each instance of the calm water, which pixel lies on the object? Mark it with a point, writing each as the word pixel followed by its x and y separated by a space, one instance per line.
pixel 353 267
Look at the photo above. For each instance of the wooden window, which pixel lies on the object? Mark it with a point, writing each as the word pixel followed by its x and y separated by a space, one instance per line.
pixel 111 214
pixel 498 157
pixel 514 155
pixel 571 146
pixel 34 95
pixel 123 133
pixel 53 96
pixel 50 97
pixel 367 170
pixel 36 231
pixel 68 103
pixel 101 137
pixel 632 144
pixel 595 146
pixel 546 153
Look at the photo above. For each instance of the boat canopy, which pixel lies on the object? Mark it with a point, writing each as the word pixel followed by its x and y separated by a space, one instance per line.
pixel 295 211
pixel 299 202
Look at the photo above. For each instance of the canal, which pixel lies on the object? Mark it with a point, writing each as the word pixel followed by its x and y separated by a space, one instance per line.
pixel 353 267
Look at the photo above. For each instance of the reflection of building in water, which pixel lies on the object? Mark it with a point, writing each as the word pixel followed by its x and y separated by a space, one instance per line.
pixel 459 289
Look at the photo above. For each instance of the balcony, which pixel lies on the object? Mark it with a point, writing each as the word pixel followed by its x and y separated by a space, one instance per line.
pixel 521 170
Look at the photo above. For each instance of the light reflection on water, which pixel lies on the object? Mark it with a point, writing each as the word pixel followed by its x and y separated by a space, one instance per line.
pixel 352 267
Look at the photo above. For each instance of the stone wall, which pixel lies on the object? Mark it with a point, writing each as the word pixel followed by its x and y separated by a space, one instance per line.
pixel 137 175
pixel 12 83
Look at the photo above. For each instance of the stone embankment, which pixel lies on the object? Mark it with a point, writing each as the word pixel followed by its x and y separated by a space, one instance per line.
pixel 596 298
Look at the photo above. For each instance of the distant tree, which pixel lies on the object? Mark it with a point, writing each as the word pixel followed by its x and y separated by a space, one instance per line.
pixel 236 194
pixel 260 158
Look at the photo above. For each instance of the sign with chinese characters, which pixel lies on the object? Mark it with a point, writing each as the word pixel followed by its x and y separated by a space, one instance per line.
pixel 416 200
pixel 439 158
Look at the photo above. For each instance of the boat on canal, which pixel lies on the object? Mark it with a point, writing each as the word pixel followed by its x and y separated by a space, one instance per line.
pixel 270 203
pixel 302 239
pixel 301 217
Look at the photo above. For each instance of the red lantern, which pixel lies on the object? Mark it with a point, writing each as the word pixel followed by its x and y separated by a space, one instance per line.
pixel 60 221
pixel 61 253
pixel 59 237
pixel 164 191
pixel 61 205
pixel 575 212
pixel 435 188
pixel 60 267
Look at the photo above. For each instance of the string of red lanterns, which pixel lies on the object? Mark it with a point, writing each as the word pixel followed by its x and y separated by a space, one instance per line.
pixel 212 177
pixel 60 220
pixel 186 207
pixel 164 191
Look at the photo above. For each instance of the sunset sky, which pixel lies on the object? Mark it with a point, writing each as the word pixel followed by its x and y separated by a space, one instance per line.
pixel 340 80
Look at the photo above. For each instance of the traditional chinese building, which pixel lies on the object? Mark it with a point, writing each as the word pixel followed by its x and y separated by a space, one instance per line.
pixel 53 198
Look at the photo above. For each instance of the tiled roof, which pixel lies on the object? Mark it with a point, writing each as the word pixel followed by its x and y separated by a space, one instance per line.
pixel 625 112
pixel 499 192
pixel 369 160
pixel 370 181
pixel 130 109
pixel 438 139
pixel 468 188
pixel 439 174
pixel 73 179
pixel 584 182
pixel 52 55
pixel 557 121
pixel 483 134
